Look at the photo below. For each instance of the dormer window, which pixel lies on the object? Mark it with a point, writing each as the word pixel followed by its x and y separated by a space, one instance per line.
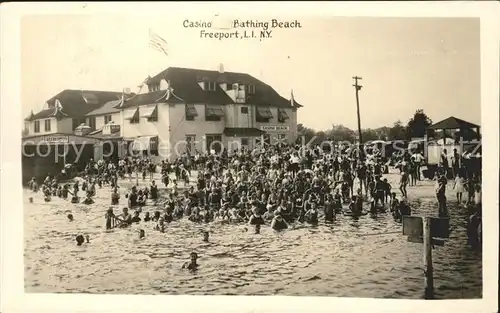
pixel 251 89
pixel 154 87
pixel 211 86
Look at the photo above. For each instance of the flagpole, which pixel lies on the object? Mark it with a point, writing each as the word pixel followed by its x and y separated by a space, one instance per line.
pixel 122 127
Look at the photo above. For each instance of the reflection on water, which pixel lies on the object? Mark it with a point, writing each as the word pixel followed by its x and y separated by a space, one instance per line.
pixel 328 260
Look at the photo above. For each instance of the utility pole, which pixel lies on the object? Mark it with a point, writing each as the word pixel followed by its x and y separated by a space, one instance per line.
pixel 358 88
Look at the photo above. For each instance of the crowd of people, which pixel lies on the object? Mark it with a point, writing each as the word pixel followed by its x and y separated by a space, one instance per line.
pixel 279 186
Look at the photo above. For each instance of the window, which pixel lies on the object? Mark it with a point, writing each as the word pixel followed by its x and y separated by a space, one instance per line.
pixel 214 113
pixel 282 116
pixel 214 142
pixel 154 87
pixel 212 118
pixel 134 120
pixel 191 112
pixel 150 113
pixel 263 115
pixel 132 116
pixel 107 119
pixel 244 110
pixel 211 86
pixel 244 141
pixel 190 143
pixel 37 126
pixel 47 125
pixel 91 122
pixel 251 89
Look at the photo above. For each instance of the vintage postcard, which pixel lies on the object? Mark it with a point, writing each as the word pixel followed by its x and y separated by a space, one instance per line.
pixel 315 156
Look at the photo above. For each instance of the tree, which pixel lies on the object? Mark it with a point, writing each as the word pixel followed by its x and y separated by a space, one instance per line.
pixel 341 133
pixel 397 131
pixel 418 125
pixel 304 133
pixel 369 134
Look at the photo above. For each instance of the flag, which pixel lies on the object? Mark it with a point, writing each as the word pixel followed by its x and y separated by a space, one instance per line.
pixel 292 100
pixel 158 43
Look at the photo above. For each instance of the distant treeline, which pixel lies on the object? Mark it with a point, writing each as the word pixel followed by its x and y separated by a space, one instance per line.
pixel 416 127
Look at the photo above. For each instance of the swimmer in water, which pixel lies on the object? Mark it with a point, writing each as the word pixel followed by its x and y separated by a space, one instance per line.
pixel 311 215
pixel 192 265
pixel 31 199
pixel 115 196
pixel 206 235
pixel 278 223
pixel 88 199
pixel 256 218
pixel 80 239
pixel 160 226
pixel 70 217
pixel 142 234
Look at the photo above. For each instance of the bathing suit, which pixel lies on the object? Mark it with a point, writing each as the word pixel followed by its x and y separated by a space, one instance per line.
pixel 256 220
pixel 279 225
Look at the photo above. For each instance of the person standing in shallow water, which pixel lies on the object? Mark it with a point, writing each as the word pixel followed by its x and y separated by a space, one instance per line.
pixel 154 191
pixel 80 239
pixel 278 223
pixel 440 189
pixel 192 265
pixel 206 236
pixel 115 196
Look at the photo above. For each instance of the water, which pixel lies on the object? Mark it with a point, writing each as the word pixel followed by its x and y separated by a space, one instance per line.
pixel 329 260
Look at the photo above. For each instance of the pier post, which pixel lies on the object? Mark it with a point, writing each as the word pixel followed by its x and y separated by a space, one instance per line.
pixel 428 271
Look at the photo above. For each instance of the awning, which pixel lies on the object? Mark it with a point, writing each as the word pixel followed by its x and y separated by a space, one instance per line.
pixel 191 110
pixel 131 114
pixel 145 143
pixel 242 132
pixel 282 115
pixel 149 112
pixel 264 112
pixel 215 110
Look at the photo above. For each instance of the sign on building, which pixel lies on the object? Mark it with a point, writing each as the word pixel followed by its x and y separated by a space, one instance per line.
pixel 56 139
pixel 274 128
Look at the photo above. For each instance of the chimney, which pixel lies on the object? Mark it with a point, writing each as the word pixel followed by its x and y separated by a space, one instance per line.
pixel 221 68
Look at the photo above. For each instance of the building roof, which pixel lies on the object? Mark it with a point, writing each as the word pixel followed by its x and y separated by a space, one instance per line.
pixel 185 85
pixel 149 98
pixel 241 131
pixel 108 108
pixel 453 123
pixel 98 134
pixel 77 103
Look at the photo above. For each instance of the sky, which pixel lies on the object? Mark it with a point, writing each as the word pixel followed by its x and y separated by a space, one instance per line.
pixel 405 63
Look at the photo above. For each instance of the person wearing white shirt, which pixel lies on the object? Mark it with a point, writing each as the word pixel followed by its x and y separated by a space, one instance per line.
pixel 417 158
